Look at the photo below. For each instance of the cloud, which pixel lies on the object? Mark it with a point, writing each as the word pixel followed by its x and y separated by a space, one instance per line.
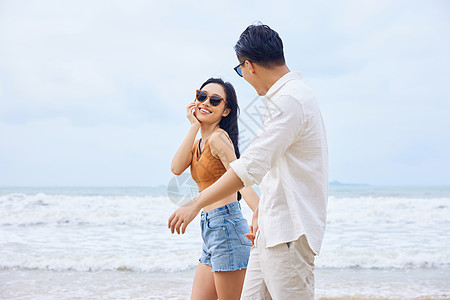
pixel 88 85
pixel 105 155
pixel 65 59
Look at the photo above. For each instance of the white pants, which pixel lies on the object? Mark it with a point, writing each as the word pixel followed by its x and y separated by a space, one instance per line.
pixel 285 271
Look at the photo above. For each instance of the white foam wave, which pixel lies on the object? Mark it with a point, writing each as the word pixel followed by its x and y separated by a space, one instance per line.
pixel 170 262
pixel 41 209
pixel 186 260
pixel 394 260
pixel 387 232
pixel 96 233
pixel 388 210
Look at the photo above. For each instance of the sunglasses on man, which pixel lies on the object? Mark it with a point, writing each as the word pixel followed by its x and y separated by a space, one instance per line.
pixel 238 67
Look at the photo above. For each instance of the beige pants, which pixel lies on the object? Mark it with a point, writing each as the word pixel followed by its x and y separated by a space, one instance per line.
pixel 285 271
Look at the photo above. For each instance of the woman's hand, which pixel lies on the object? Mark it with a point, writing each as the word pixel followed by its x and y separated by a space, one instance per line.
pixel 191 114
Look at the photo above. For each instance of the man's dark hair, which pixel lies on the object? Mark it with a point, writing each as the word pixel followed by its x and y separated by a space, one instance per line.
pixel 261 44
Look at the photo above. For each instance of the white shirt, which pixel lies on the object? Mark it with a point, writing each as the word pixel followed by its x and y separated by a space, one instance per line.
pixel 289 160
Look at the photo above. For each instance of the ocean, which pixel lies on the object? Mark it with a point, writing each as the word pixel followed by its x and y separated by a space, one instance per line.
pixel 113 243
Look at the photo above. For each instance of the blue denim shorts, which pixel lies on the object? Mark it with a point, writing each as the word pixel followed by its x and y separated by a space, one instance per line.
pixel 225 248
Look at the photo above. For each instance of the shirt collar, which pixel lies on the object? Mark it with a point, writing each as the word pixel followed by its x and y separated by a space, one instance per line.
pixel 282 81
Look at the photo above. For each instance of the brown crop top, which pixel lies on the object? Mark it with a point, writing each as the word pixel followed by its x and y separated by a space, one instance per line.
pixel 205 168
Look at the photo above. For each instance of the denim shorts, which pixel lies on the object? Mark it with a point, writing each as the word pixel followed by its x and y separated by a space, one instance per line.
pixel 225 247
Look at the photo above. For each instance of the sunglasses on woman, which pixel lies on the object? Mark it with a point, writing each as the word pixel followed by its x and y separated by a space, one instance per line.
pixel 201 96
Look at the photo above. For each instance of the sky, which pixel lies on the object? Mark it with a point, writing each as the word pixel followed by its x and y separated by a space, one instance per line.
pixel 94 93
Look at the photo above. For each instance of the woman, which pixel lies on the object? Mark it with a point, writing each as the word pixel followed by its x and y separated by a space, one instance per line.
pixel 225 251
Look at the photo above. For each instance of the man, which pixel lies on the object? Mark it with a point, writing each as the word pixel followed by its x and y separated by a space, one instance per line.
pixel 289 160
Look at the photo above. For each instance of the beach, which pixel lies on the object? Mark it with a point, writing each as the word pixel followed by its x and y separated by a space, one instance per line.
pixel 330 284
pixel 113 243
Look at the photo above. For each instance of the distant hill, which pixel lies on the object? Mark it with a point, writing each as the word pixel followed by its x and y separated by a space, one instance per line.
pixel 335 182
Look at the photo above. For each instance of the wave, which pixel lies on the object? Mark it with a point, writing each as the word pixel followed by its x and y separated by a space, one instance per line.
pixel 42 209
pixel 93 263
pixel 182 261
pixel 18 209
pixel 81 233
pixel 388 210
pixel 355 259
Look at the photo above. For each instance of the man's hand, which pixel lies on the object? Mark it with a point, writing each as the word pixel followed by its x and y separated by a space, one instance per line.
pixel 183 216
pixel 253 228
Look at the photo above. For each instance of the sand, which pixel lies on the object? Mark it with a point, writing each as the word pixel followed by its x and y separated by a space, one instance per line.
pixel 330 284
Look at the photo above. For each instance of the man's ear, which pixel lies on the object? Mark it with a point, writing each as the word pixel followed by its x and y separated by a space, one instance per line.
pixel 251 66
pixel 226 112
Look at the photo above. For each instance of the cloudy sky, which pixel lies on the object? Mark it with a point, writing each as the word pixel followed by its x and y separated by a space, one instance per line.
pixel 94 92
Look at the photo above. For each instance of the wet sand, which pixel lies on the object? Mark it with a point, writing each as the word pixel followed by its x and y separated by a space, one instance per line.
pixel 330 284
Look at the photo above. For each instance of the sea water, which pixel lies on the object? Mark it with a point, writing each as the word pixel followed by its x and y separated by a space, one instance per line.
pixel 379 241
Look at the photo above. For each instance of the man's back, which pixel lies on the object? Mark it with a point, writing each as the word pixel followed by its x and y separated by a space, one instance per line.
pixel 293 171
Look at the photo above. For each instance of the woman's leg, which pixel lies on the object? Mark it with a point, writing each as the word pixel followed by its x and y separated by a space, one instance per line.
pixel 229 284
pixel 203 287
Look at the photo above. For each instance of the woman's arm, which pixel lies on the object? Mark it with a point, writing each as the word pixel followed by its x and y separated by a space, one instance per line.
pixel 183 157
pixel 250 197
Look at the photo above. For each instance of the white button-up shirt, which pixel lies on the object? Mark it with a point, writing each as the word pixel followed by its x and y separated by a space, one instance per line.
pixel 288 159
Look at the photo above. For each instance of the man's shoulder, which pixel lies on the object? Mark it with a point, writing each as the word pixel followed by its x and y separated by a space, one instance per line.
pixel 296 84
pixel 298 90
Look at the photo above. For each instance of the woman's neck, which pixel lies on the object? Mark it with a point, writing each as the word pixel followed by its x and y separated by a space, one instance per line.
pixel 207 129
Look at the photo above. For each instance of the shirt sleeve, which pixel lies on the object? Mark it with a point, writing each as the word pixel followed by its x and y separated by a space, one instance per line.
pixel 282 124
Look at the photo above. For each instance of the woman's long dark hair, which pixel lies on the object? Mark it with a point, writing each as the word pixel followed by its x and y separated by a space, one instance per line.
pixel 230 122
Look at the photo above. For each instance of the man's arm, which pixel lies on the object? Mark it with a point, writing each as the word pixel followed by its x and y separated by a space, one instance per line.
pixel 283 123
pixel 228 184
pixel 278 133
pixel 223 149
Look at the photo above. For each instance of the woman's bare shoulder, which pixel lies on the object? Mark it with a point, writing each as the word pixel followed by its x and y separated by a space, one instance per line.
pixel 220 136
pixel 220 143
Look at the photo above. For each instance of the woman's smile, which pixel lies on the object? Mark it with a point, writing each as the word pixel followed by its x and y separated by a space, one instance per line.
pixel 204 111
